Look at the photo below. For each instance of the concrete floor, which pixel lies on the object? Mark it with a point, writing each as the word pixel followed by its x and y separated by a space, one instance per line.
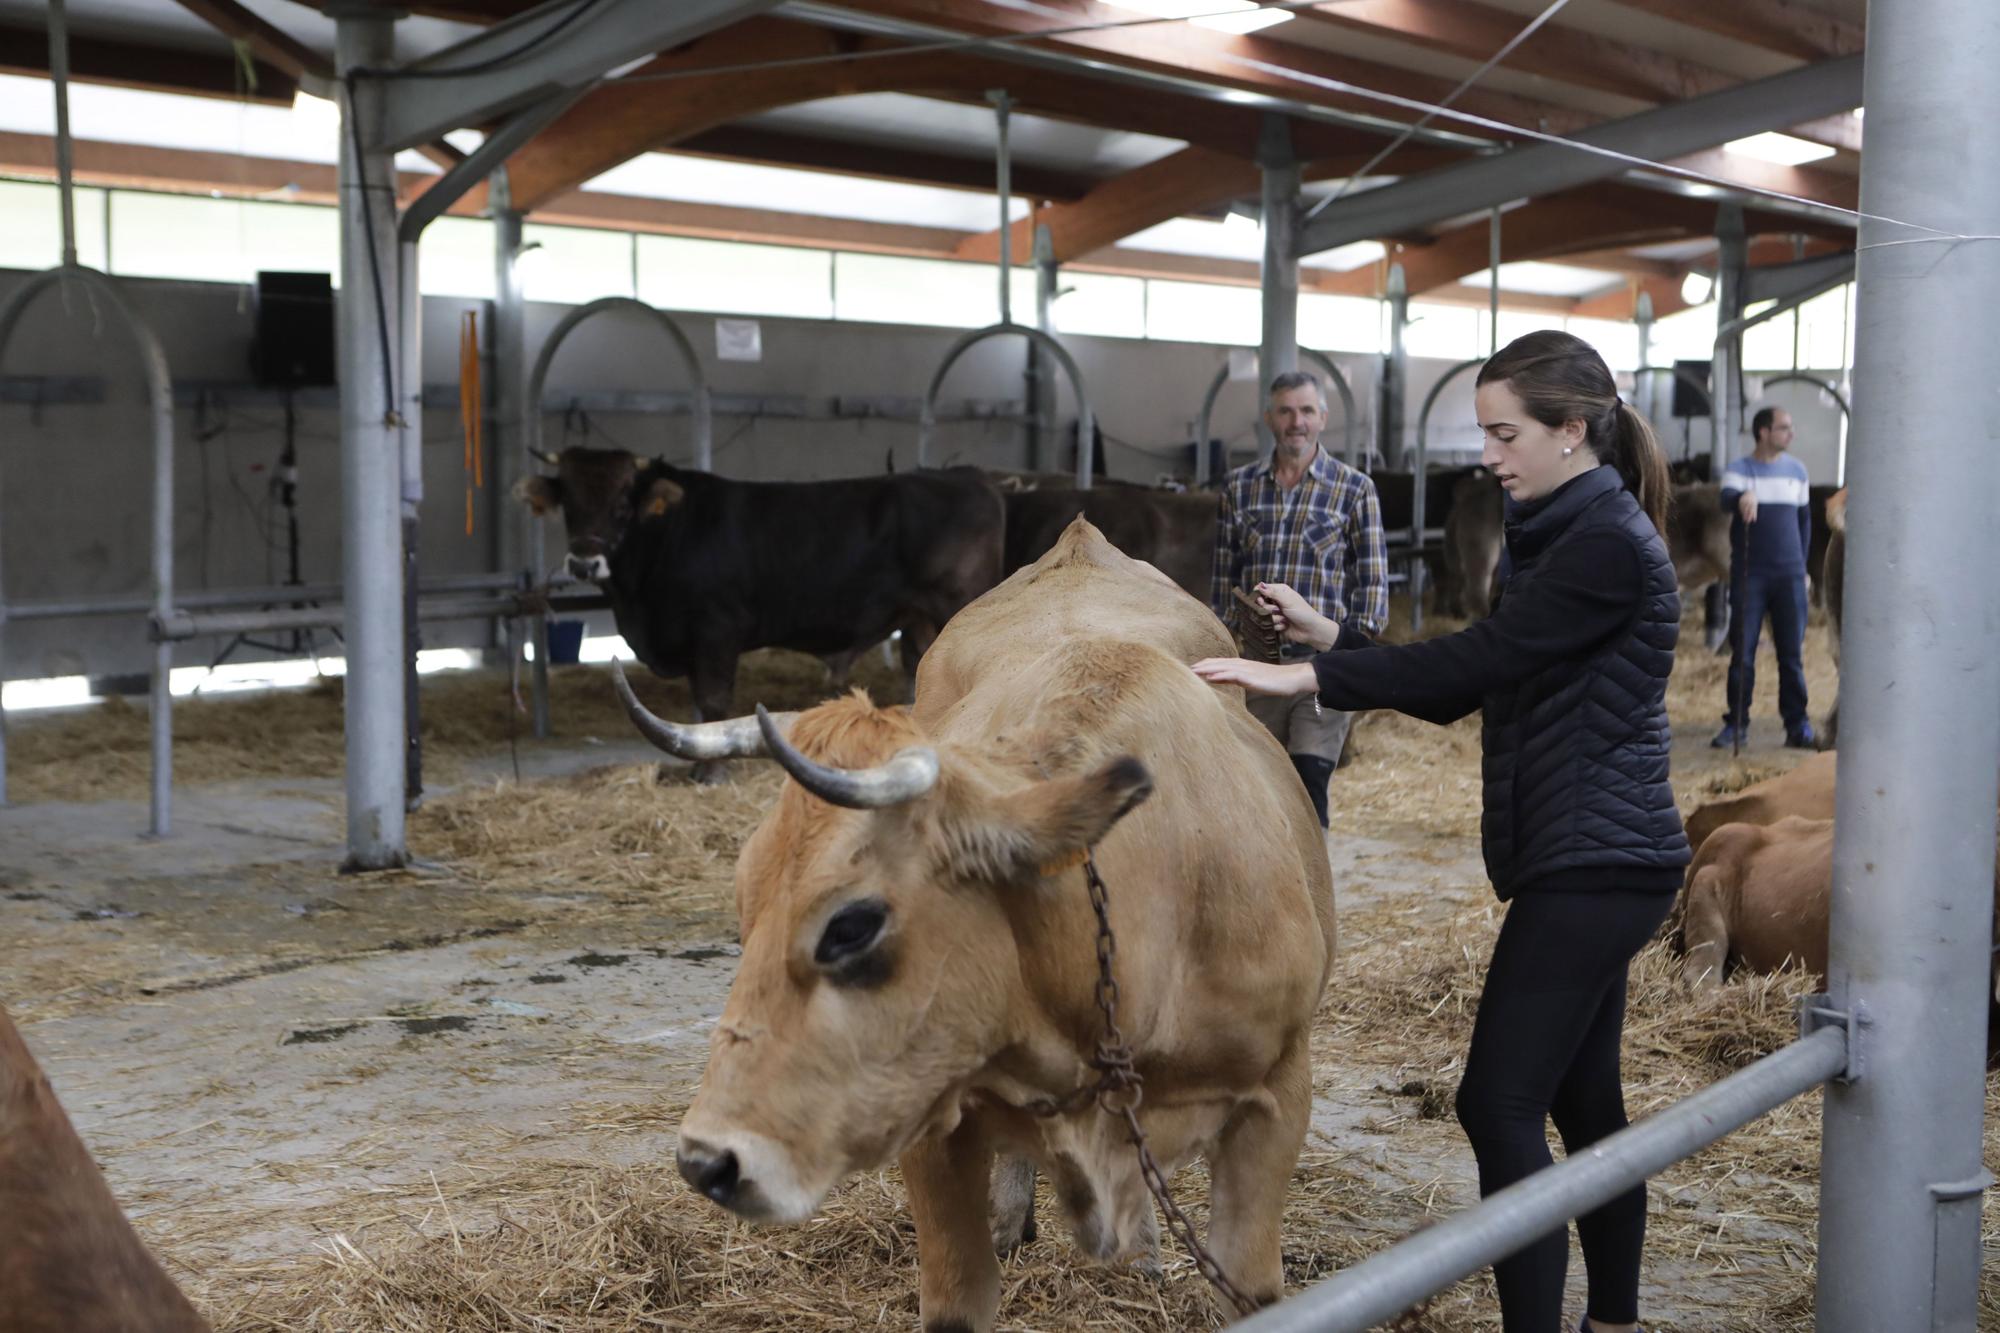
pixel 245 1037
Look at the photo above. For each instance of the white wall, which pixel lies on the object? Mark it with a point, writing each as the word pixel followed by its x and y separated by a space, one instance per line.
pixel 75 477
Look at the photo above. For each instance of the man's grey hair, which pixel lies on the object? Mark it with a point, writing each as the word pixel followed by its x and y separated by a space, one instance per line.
pixel 1297 379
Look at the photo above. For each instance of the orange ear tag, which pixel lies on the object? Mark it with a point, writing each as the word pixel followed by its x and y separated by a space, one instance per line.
pixel 1062 863
pixel 656 506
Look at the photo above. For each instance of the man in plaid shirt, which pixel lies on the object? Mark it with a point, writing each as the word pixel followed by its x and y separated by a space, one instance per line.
pixel 1303 518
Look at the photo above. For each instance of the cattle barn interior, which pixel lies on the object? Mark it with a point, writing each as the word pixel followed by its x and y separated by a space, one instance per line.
pixel 375 956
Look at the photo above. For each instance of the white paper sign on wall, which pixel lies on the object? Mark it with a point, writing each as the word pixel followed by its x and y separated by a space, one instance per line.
pixel 739 340
pixel 1243 363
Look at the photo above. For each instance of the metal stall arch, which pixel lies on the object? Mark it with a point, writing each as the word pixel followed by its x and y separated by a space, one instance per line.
pixel 1350 432
pixel 160 405
pixel 704 458
pixel 1086 420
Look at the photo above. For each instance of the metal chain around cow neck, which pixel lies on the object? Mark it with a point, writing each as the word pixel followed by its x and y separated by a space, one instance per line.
pixel 1119 1089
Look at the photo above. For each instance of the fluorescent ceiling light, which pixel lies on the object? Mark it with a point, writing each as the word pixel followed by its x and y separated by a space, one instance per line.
pixel 1696 287
pixel 1346 258
pixel 1248 19
pixel 1770 146
pixel 1238 16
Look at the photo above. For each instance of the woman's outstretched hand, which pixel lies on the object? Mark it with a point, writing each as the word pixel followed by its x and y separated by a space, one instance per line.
pixel 1295 619
pixel 1272 678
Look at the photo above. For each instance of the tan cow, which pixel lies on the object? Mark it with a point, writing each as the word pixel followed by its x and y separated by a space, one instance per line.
pixel 69 1261
pixel 1757 898
pixel 919 969
pixel 1805 791
pixel 1698 541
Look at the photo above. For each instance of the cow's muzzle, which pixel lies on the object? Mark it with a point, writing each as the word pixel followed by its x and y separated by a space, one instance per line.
pixel 715 1172
pixel 591 568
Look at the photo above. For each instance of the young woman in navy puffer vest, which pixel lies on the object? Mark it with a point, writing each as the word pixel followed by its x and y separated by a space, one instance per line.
pixel 1580 830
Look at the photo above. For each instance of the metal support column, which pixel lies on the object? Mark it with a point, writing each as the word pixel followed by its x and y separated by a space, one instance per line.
pixel 1395 372
pixel 410 408
pixel 1726 369
pixel 1902 1180
pixel 1642 382
pixel 1041 372
pixel 1279 348
pixel 515 532
pixel 370 455
pixel 1493 282
pixel 519 533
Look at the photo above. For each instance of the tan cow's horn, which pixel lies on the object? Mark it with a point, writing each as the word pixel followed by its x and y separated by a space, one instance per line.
pixel 908 774
pixel 543 456
pixel 734 738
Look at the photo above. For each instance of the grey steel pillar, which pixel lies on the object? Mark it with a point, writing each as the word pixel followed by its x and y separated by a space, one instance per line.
pixel 1725 376
pixel 1493 282
pixel 1395 372
pixel 516 534
pixel 370 458
pixel 1041 372
pixel 1642 383
pixel 410 396
pixel 1279 347
pixel 1901 1181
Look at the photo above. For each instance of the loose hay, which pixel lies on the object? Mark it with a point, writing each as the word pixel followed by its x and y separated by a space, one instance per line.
pixel 624 830
pixel 588 1247
pixel 592 1245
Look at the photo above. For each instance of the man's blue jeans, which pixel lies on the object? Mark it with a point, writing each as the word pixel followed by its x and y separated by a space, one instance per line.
pixel 1783 598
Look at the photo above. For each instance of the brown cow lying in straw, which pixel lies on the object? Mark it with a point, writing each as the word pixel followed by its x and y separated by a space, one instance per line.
pixel 1757 897
pixel 919 973
pixel 1805 791
pixel 69 1261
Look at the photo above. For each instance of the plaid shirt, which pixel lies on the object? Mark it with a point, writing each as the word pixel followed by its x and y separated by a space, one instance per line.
pixel 1323 538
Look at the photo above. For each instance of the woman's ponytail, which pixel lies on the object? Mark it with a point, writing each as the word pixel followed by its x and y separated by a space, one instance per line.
pixel 1641 463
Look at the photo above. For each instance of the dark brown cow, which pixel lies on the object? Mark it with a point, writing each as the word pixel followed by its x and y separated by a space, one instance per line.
pixel 701 569
pixel 1173 531
pixel 69 1261
pixel 1474 533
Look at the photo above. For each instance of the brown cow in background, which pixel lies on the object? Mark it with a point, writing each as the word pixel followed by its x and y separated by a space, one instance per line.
pixel 69 1261
pixel 1833 583
pixel 1805 791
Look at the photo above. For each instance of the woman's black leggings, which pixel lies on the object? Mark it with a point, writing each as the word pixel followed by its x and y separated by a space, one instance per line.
pixel 1546 1044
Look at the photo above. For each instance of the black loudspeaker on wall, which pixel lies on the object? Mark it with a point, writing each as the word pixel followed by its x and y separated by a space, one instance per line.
pixel 1688 400
pixel 293 343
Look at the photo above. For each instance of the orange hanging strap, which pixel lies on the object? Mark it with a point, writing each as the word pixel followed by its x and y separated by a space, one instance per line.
pixel 468 409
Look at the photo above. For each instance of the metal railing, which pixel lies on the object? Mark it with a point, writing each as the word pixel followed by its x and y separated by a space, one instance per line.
pixel 1382 1287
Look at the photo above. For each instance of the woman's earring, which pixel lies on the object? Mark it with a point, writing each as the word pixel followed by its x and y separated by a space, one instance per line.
pixel 1568 449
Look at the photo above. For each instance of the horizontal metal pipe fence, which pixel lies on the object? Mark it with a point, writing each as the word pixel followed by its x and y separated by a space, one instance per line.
pixel 1382 1287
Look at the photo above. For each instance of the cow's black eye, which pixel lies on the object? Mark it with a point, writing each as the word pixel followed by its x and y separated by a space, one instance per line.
pixel 851 932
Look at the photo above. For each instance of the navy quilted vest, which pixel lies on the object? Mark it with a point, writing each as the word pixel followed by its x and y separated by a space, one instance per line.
pixel 1575 758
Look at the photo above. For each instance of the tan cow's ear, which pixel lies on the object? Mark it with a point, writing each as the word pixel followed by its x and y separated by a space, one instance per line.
pixel 1047 828
pixel 539 493
pixel 661 496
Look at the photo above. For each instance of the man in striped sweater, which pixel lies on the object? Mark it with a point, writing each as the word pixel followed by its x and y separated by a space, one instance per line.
pixel 1766 495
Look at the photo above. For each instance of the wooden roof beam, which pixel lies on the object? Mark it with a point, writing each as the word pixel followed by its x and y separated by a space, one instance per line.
pixel 1472 30
pixel 128 65
pixel 1775 25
